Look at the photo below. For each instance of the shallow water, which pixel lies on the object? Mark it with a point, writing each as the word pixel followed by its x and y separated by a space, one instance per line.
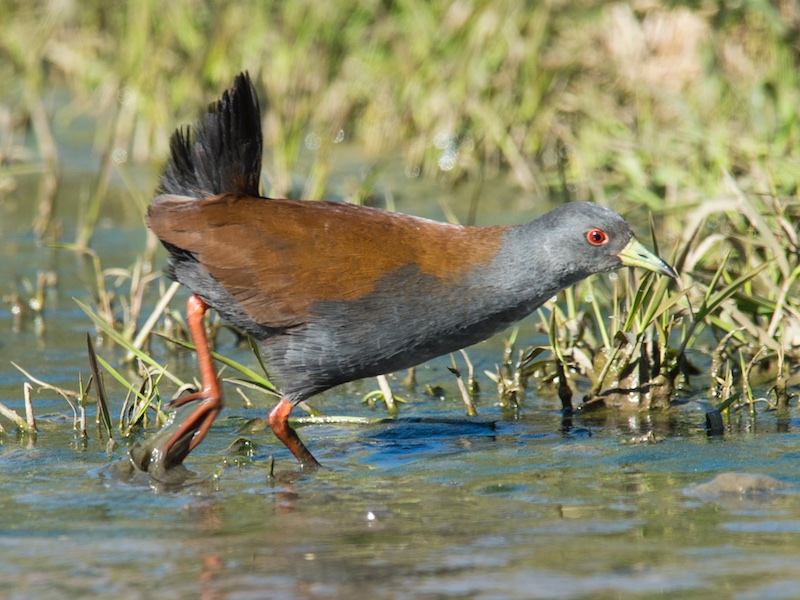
pixel 433 505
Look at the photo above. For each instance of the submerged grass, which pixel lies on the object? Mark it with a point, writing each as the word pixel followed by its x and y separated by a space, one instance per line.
pixel 687 112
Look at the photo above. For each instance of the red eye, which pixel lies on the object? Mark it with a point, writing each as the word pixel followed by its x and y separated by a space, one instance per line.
pixel 596 237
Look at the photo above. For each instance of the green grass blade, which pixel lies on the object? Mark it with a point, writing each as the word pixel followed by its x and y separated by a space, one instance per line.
pixel 712 302
pixel 102 399
pixel 255 378
pixel 114 335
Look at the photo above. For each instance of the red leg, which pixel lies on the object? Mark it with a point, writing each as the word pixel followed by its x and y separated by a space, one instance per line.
pixel 279 421
pixel 210 397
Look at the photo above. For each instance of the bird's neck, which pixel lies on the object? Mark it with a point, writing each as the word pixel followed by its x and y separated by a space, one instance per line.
pixel 532 266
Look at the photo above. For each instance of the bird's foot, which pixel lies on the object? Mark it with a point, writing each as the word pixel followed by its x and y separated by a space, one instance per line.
pixel 188 425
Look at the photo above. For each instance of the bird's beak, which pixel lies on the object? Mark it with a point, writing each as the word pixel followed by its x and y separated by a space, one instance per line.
pixel 636 255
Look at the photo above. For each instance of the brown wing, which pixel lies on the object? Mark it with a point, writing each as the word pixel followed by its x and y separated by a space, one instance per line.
pixel 278 257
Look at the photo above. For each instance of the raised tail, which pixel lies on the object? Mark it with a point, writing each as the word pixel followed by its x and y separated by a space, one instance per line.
pixel 222 153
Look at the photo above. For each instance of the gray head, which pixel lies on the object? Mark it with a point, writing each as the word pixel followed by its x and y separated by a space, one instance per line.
pixel 578 239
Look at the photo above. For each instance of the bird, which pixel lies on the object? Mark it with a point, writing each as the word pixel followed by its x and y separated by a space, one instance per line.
pixel 336 292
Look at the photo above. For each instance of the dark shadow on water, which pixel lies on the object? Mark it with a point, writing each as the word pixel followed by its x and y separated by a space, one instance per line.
pixel 177 479
pixel 396 442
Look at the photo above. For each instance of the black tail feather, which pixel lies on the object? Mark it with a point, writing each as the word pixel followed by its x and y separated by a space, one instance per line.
pixel 222 153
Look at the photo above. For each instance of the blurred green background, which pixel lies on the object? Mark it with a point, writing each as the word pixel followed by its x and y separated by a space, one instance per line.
pixel 590 98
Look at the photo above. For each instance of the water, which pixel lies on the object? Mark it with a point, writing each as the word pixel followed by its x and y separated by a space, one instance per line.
pixel 434 505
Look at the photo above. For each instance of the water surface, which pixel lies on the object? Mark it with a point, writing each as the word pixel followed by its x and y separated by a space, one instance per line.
pixel 434 505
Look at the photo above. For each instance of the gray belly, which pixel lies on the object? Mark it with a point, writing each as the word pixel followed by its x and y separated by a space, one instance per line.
pixel 408 320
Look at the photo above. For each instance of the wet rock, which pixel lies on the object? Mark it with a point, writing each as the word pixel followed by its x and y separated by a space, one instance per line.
pixel 738 483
